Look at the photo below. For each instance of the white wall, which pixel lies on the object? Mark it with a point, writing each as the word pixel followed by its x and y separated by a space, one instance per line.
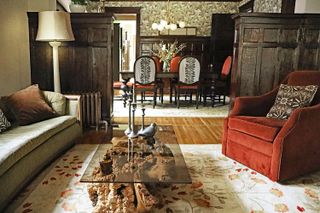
pixel 307 6
pixel 14 42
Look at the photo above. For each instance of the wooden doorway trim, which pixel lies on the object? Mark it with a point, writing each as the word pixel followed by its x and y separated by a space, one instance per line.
pixel 288 6
pixel 134 10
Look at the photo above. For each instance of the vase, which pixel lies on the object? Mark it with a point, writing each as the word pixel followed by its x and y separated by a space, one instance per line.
pixel 166 66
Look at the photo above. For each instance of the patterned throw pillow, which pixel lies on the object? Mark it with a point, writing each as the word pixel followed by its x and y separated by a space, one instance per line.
pixel 290 98
pixel 4 123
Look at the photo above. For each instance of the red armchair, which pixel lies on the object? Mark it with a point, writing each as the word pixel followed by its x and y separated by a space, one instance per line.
pixel 278 149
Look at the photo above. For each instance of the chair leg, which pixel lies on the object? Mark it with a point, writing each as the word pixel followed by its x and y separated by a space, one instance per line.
pixel 142 97
pixel 204 93
pixel 161 95
pixel 224 99
pixel 171 91
pixel 154 98
pixel 175 96
pixel 190 101
pixel 178 97
pixel 212 99
pixel 197 99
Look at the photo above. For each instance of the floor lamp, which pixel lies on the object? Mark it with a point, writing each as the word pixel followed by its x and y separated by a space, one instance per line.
pixel 54 27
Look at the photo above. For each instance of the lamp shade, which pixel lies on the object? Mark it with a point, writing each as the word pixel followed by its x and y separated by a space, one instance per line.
pixel 54 26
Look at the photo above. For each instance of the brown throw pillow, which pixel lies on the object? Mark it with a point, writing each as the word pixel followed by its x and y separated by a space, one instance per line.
pixel 6 110
pixel 290 98
pixel 28 106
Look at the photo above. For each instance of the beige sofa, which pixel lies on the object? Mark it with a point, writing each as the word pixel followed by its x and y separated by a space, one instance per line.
pixel 26 150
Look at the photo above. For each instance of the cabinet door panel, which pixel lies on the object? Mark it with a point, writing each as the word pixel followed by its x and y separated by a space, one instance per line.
pixel 268 71
pixel 248 75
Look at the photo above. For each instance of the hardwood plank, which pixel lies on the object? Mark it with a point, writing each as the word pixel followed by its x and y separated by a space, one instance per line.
pixel 187 130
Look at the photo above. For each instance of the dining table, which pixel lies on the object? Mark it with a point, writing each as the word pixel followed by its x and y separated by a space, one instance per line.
pixel 127 75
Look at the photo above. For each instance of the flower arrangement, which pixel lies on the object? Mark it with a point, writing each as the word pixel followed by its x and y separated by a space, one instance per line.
pixel 167 51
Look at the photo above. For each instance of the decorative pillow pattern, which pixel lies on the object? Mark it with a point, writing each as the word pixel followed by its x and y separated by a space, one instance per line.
pixel 28 106
pixel 4 123
pixel 290 98
pixel 57 101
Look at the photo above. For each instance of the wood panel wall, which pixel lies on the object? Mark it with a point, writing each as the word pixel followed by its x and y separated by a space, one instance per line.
pixel 85 64
pixel 196 46
pixel 269 46
pixel 222 37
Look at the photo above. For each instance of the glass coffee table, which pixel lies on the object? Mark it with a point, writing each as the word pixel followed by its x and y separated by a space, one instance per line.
pixel 129 174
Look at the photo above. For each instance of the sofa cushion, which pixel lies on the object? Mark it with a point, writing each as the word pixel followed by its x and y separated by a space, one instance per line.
pixel 18 142
pixel 56 101
pixel 259 127
pixel 29 106
pixel 4 123
pixel 290 98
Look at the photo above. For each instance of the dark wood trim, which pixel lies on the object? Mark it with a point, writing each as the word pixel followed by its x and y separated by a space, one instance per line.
pixel 183 0
pixel 135 10
pixel 288 6
pixel 247 7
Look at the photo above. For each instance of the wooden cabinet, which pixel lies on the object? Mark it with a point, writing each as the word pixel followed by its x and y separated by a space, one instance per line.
pixel 269 46
pixel 85 64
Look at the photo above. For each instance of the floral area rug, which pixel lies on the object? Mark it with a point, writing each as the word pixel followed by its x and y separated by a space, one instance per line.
pixel 219 185
pixel 168 109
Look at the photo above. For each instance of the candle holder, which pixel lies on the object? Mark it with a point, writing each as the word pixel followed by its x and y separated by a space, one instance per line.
pixel 143 114
pixel 133 127
pixel 129 130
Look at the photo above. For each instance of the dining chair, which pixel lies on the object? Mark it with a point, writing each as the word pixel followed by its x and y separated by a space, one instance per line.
pixel 217 87
pixel 159 81
pixel 145 77
pixel 174 67
pixel 221 86
pixel 188 81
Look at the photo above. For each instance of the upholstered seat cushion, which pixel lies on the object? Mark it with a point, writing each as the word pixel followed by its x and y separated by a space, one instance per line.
pixel 188 87
pixel 149 86
pixel 18 142
pixel 259 127
pixel 118 84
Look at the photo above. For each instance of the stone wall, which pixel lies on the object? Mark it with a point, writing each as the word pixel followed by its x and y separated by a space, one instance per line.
pixel 194 14
pixel 267 6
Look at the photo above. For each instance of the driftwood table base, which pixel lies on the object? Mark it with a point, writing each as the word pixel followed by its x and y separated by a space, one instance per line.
pixel 121 198
pixel 124 179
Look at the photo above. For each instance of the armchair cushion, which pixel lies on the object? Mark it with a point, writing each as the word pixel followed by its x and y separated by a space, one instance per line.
pixel 259 127
pixel 290 98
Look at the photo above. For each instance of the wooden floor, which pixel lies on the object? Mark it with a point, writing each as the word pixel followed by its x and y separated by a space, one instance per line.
pixel 187 130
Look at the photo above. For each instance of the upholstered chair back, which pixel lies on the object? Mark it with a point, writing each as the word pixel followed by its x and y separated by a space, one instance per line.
pixel 189 70
pixel 174 64
pixel 158 63
pixel 226 67
pixel 304 78
pixel 145 70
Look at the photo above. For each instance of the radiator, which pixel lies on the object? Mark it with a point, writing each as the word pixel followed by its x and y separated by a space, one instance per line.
pixel 91 110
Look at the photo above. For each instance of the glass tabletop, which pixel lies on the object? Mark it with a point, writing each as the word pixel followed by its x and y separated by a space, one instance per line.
pixel 139 161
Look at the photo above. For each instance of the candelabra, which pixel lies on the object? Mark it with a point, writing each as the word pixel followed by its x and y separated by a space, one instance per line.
pixel 143 114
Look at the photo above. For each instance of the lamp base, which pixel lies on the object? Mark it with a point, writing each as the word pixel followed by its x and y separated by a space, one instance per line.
pixel 56 73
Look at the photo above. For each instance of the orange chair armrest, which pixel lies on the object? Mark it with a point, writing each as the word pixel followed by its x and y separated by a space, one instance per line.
pixel 254 105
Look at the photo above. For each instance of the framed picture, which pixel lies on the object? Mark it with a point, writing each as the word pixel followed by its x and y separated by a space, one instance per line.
pixel 187 31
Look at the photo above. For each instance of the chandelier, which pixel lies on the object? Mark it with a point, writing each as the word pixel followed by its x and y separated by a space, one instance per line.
pixel 167 24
